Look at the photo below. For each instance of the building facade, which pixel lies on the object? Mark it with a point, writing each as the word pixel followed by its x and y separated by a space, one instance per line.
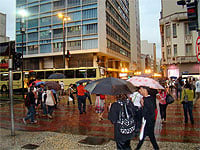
pixel 97 34
pixel 3 37
pixel 178 43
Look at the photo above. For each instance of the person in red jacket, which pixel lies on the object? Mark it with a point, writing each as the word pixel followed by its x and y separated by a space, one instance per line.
pixel 81 98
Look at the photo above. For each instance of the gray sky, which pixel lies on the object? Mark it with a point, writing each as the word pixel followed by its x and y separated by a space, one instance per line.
pixel 149 20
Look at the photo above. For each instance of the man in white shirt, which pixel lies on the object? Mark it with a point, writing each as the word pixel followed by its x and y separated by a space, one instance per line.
pixel 136 98
pixel 62 86
pixel 197 85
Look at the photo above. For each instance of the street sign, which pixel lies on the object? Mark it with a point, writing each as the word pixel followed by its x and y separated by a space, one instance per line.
pixel 197 47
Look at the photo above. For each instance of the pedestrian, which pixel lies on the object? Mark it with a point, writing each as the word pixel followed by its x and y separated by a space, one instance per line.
pixel 136 98
pixel 50 102
pixel 87 94
pixel 39 97
pixel 187 101
pixel 81 98
pixel 99 105
pixel 116 109
pixel 31 107
pixel 44 97
pixel 161 96
pixel 70 93
pixel 55 97
pixel 148 114
pixel 197 85
pixel 179 85
pixel 62 86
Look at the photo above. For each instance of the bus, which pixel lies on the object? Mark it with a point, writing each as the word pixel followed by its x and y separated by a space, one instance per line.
pixel 17 80
pixel 72 75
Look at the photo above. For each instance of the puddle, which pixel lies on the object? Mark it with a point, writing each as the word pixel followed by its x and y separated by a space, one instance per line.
pixel 94 141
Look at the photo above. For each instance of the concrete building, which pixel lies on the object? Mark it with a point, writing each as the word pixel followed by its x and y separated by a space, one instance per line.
pixel 100 33
pixel 178 43
pixel 3 37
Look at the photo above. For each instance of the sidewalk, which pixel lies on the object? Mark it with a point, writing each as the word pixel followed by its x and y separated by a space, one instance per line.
pixel 62 141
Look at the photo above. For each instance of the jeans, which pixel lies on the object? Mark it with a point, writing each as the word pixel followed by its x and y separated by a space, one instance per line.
pixel 187 107
pixel 50 109
pixel 89 98
pixel 81 103
pixel 177 92
pixel 31 113
pixel 44 108
pixel 123 145
pixel 163 108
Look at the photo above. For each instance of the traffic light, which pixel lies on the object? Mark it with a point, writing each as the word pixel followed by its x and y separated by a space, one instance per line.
pixel 192 15
pixel 17 60
pixel 68 54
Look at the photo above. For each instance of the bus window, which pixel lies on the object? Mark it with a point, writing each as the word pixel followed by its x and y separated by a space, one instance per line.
pixel 91 73
pixel 48 73
pixel 32 75
pixel 60 71
pixel 81 73
pixel 4 77
pixel 16 76
pixel 40 75
pixel 69 73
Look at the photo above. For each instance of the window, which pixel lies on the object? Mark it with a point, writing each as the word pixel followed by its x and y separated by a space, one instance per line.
pixel 19 38
pixel 59 4
pixel 75 30
pixel 33 36
pixel 16 76
pixel 45 48
pixel 91 73
pixel 4 77
pixel 175 50
pixel 73 3
pixel 90 44
pixel 90 13
pixel 88 1
pixel 32 23
pixel 33 10
pixel 168 32
pixel 40 75
pixel 48 73
pixel 45 21
pixel 30 1
pixel 187 31
pixel 45 34
pixel 74 16
pixel 74 45
pixel 174 31
pixel 57 33
pixel 163 40
pixel 56 20
pixel 188 50
pixel 169 51
pixel 89 28
pixel 45 7
pixel 69 73
pixel 33 49
pixel 81 73
pixel 20 2
pixel 57 47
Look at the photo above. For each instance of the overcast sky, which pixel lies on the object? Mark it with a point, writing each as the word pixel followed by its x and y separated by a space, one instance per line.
pixel 149 20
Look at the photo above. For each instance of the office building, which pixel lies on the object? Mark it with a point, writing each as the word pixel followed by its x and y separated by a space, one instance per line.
pixel 3 37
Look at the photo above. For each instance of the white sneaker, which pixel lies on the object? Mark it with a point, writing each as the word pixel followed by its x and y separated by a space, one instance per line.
pixel 24 121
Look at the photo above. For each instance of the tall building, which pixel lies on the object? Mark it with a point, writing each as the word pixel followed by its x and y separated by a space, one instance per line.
pixel 178 43
pixel 3 37
pixel 98 33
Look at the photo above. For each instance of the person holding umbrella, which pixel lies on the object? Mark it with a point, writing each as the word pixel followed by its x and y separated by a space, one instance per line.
pixel 148 114
pixel 81 98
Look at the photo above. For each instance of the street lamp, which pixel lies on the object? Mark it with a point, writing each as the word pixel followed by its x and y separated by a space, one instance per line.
pixel 23 14
pixel 64 19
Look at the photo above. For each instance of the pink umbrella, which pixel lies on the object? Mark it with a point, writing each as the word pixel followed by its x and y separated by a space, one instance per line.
pixel 144 81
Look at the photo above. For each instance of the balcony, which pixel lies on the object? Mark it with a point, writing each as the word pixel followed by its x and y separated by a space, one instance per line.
pixel 188 39
pixel 186 59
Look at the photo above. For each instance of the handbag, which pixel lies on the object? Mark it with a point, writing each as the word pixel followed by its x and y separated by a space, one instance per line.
pixel 169 99
pixel 70 99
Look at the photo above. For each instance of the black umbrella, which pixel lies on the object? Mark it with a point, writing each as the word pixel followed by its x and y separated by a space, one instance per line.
pixel 83 81
pixel 56 76
pixel 53 85
pixel 110 86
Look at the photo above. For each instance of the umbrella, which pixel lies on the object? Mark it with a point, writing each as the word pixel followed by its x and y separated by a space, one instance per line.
pixel 110 86
pixel 83 81
pixel 53 85
pixel 143 81
pixel 56 76
pixel 37 81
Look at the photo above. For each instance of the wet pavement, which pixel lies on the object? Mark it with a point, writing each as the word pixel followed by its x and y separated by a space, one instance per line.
pixel 66 119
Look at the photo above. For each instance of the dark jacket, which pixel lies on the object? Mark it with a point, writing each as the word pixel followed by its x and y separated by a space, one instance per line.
pixel 31 97
pixel 113 116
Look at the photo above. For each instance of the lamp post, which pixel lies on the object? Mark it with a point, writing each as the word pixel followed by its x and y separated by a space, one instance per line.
pixel 23 14
pixel 60 15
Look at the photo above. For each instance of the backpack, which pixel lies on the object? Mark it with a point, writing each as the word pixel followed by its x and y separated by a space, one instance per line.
pixel 126 119
pixel 27 101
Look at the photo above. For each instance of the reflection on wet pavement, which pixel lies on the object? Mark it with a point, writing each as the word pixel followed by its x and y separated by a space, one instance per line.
pixel 66 119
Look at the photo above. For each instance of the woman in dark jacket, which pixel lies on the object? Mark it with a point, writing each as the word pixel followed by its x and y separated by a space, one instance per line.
pixel 148 114
pixel 122 140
